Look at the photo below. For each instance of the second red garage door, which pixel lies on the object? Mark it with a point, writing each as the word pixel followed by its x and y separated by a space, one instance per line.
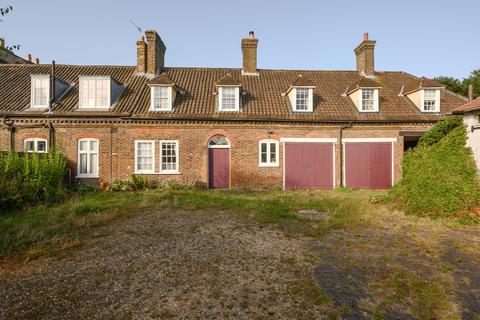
pixel 368 165
pixel 308 165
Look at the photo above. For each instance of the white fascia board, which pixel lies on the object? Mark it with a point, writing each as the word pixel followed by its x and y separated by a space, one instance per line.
pixel 330 140
pixel 369 140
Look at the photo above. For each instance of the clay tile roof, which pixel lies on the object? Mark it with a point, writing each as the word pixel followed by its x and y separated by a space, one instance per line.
pixel 363 83
pixel 302 81
pixel 420 83
pixel 228 80
pixel 262 98
pixel 162 79
pixel 472 105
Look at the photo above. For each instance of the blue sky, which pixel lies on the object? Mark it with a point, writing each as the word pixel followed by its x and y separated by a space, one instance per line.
pixel 425 37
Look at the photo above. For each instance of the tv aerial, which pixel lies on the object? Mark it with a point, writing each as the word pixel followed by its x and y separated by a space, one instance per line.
pixel 136 26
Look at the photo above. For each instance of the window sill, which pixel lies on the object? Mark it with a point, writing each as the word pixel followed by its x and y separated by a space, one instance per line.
pixel 302 111
pixel 93 109
pixel 87 177
pixel 158 173
pixel 263 165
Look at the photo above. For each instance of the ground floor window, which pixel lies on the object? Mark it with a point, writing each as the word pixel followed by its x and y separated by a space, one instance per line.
pixel 35 145
pixel 169 156
pixel 88 158
pixel 144 156
pixel 268 153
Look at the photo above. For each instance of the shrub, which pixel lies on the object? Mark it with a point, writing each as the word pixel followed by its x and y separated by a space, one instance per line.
pixel 118 185
pixel 139 183
pixel 439 175
pixel 440 130
pixel 30 179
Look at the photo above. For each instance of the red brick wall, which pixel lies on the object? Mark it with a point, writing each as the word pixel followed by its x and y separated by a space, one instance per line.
pixel 116 156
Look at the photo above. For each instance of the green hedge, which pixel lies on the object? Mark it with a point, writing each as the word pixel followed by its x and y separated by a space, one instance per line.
pixel 439 175
pixel 30 179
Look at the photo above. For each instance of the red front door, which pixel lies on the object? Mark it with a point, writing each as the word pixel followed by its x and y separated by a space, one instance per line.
pixel 368 165
pixel 219 168
pixel 308 165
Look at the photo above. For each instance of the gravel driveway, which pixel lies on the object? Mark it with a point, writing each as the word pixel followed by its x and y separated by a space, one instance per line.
pixel 165 264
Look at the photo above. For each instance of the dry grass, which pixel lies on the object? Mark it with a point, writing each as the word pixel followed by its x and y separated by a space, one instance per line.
pixel 365 260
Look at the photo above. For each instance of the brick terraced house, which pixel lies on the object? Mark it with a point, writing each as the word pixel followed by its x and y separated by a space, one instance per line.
pixel 223 127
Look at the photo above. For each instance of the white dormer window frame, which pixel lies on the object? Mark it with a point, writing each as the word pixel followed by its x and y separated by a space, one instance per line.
pixel 430 100
pixel 93 94
pixel 226 101
pixel 40 91
pixel 161 98
pixel 303 99
pixel 368 99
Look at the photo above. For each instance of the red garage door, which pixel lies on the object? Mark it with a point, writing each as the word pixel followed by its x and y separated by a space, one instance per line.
pixel 308 165
pixel 368 165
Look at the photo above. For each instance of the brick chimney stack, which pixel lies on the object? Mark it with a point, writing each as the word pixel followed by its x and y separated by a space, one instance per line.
pixel 155 53
pixel 249 51
pixel 141 55
pixel 365 56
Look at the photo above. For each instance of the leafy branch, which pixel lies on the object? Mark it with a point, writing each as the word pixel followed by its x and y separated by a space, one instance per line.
pixel 3 12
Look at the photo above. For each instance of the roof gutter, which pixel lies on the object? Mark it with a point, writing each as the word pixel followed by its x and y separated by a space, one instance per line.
pixel 126 116
pixel 266 120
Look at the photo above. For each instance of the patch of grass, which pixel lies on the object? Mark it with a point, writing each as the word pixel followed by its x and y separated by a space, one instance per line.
pixel 425 298
pixel 71 220
pixel 440 177
pixel 309 292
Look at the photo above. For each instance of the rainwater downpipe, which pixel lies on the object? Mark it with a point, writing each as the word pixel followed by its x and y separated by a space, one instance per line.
pixel 341 151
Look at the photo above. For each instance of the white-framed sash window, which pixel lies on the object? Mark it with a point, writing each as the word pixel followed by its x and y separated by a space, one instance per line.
pixel 228 98
pixel 161 98
pixel 144 156
pixel 268 153
pixel 94 92
pixel 40 90
pixel 169 156
pixel 88 158
pixel 35 145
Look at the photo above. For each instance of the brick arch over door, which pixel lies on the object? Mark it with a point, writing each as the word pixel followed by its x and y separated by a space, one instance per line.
pixel 219 176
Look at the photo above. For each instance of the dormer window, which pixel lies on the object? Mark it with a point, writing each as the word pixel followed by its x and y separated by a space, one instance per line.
pixel 40 90
pixel 364 94
pixel 431 100
pixel 303 99
pixel 95 92
pixel 228 98
pixel 369 98
pixel 424 93
pixel 300 94
pixel 161 98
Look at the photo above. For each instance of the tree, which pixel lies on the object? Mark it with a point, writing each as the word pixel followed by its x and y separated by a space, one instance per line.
pixel 461 86
pixel 452 84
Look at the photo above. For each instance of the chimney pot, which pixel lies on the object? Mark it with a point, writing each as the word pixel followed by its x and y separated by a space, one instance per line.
pixel 2 43
pixel 37 61
pixel 249 51
pixel 29 57
pixel 470 92
pixel 365 36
